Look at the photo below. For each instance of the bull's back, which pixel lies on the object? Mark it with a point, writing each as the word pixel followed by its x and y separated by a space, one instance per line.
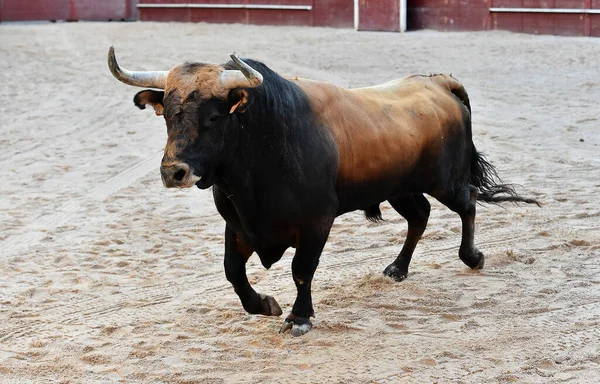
pixel 384 132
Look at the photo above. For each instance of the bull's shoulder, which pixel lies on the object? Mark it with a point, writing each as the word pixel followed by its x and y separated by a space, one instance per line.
pixel 325 98
pixel 318 90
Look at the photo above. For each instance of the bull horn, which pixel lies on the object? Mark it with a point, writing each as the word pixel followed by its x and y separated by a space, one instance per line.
pixel 245 77
pixel 147 79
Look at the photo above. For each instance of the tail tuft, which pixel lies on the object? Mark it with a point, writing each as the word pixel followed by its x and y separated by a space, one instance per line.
pixel 490 186
pixel 373 214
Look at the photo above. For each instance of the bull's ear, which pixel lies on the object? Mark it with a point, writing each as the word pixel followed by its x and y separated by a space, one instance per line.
pixel 150 97
pixel 240 100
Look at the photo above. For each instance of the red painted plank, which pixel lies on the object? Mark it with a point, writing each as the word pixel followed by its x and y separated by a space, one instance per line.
pixel 595 25
pixel 468 3
pixel 507 3
pixel 451 19
pixel 379 15
pixel 99 10
pixel 473 19
pixel 191 1
pixel 569 25
pixel 333 13
pixel 255 2
pixel 229 16
pixel 280 2
pixel 538 23
pixel 279 17
pixel 508 21
pixel 18 10
pixel 427 4
pixel 569 4
pixel 449 15
pixel 179 14
pixel 538 3
pixel 241 15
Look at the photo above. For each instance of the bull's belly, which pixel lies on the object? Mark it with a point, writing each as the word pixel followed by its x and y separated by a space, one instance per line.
pixel 356 196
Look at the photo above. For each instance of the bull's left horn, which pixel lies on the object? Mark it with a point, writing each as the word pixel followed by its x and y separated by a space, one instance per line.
pixel 246 77
pixel 149 79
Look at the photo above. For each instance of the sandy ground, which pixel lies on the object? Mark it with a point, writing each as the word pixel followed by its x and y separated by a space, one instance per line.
pixel 105 276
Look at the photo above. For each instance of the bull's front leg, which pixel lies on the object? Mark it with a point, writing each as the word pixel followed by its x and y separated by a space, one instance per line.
pixel 237 253
pixel 304 265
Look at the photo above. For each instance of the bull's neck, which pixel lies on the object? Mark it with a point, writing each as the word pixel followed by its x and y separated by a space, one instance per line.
pixel 256 157
pixel 271 140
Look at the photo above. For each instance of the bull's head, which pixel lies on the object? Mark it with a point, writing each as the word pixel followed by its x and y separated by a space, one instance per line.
pixel 198 102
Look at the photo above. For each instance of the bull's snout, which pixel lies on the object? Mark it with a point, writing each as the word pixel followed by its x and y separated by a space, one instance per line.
pixel 177 175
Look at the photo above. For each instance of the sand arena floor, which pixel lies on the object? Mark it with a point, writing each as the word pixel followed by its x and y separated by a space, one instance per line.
pixel 105 276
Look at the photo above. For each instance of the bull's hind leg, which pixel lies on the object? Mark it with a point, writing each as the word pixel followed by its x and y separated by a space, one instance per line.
pixel 237 253
pixel 415 209
pixel 463 201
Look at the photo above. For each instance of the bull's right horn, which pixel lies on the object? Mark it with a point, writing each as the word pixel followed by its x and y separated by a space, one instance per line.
pixel 245 77
pixel 146 79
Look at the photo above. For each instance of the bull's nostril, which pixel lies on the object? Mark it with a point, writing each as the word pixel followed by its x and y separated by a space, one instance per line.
pixel 179 175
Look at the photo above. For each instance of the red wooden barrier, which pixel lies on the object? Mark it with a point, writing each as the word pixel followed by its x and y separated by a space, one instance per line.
pixel 379 15
pixel 448 15
pixel 331 13
pixel 560 17
pixel 556 17
pixel 21 10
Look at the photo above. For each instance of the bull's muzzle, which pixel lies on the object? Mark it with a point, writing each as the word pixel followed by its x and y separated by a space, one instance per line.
pixel 177 175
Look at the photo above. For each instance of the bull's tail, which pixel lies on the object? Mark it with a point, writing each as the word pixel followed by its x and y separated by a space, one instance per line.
pixel 483 174
pixel 373 214
pixel 489 185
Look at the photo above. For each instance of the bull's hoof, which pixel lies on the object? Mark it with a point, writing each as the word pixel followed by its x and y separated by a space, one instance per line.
pixel 395 273
pixel 270 306
pixel 297 326
pixel 475 260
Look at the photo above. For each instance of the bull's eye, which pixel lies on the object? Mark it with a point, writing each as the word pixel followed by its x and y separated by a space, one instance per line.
pixel 214 117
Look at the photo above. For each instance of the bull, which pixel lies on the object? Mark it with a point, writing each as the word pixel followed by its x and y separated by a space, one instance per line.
pixel 285 157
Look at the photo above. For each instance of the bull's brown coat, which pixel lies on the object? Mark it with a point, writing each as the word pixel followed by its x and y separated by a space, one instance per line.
pixel 383 129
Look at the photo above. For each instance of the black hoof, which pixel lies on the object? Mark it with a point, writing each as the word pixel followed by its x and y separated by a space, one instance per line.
pixel 475 260
pixel 270 306
pixel 297 326
pixel 262 305
pixel 395 273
